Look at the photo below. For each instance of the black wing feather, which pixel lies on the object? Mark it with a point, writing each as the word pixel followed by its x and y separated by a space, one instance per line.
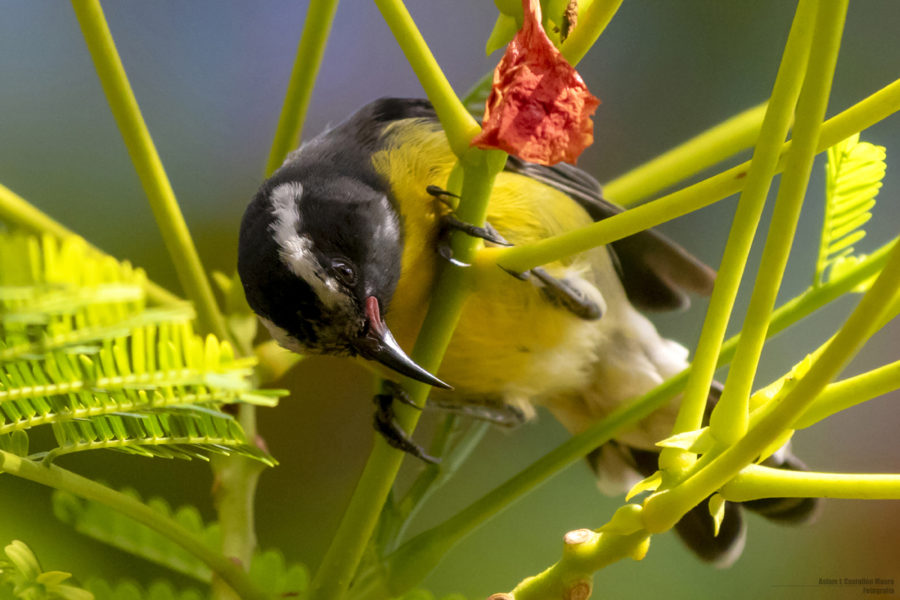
pixel 655 271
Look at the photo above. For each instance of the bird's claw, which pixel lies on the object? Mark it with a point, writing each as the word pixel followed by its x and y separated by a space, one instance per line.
pixel 450 223
pixel 486 233
pixel 560 292
pixel 386 422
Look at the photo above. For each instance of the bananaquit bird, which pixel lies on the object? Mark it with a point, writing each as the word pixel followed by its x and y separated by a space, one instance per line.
pixel 340 247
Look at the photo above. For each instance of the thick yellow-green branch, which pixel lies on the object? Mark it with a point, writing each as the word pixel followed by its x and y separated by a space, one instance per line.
pixel 700 152
pixel 584 552
pixel 849 392
pixel 316 27
pixel 590 25
pixel 740 238
pixel 149 168
pixel 861 115
pixel 458 124
pixel 834 398
pixel 663 509
pixel 755 482
pixel 729 419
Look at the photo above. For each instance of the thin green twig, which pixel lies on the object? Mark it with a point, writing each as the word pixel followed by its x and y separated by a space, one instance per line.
pixel 755 482
pixel 849 392
pixel 316 27
pixel 479 169
pixel 149 168
pixel 236 477
pixel 61 479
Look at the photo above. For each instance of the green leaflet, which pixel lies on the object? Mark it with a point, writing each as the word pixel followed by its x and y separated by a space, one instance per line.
pixel 131 590
pixel 82 352
pixel 853 178
pixel 21 576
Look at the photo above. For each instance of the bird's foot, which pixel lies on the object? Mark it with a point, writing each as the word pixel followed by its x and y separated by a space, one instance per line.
pixel 449 224
pixel 561 293
pixel 386 422
pixel 564 294
pixel 557 291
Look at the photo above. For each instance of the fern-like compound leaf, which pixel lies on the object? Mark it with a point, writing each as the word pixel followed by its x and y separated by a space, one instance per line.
pixel 268 569
pixel 853 178
pixel 82 353
pixel 111 527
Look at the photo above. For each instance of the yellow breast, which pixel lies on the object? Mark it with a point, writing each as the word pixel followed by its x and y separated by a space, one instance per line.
pixel 510 340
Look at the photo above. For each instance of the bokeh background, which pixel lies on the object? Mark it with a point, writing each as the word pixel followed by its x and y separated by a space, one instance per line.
pixel 210 77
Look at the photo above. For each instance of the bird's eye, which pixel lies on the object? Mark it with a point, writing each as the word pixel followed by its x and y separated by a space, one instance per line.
pixel 344 271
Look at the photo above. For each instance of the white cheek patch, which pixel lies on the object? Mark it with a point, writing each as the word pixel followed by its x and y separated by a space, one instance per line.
pixel 284 339
pixel 295 249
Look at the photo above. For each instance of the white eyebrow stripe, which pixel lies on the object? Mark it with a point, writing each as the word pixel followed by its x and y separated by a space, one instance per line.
pixel 295 249
pixel 285 208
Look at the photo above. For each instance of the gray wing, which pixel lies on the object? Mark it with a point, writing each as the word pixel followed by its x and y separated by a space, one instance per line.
pixel 655 271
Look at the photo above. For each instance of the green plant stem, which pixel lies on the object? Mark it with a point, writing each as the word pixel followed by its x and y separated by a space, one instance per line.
pixel 15 209
pixel 479 170
pixel 756 481
pixel 590 25
pixel 869 384
pixel 316 27
pixel 700 152
pixel 729 419
pixel 234 490
pixel 61 479
pixel 347 547
pixel 431 479
pixel 746 219
pixel 849 392
pixel 237 477
pixel 663 509
pixel 863 114
pixel 570 578
pixel 417 557
pixel 458 124
pixel 834 398
pixel 149 168
pixel 813 298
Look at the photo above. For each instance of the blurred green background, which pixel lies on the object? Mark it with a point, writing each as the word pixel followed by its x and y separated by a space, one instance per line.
pixel 210 77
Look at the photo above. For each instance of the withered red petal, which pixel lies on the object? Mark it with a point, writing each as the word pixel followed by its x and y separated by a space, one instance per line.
pixel 539 108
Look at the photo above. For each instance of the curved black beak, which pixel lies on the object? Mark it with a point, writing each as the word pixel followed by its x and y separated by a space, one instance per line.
pixel 378 344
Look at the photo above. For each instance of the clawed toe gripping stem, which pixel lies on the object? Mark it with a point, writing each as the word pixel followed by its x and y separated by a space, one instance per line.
pixel 557 291
pixel 386 422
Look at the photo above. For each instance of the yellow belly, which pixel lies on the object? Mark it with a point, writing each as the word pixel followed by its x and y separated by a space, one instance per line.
pixel 511 342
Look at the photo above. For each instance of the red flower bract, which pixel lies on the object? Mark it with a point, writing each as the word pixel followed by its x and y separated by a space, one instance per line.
pixel 539 108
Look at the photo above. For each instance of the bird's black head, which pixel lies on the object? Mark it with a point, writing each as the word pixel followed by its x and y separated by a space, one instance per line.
pixel 319 258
